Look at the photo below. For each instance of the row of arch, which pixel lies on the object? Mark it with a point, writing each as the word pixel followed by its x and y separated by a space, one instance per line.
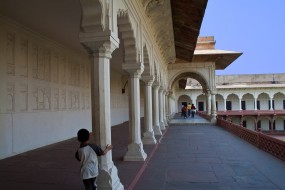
pixel 277 99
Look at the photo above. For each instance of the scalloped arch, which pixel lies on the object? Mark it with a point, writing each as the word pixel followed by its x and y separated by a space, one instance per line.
pixel 146 59
pixel 127 37
pixel 93 15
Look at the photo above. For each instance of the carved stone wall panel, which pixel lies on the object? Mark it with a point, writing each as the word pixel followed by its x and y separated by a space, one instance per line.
pixel 77 74
pixel 74 100
pixel 10 97
pixel 70 71
pixel 47 65
pixel 82 74
pixel 35 69
pixel 47 98
pixel 63 68
pixel 82 102
pixel 55 99
pixel 40 64
pixel 77 102
pixel 41 98
pixel 55 67
pixel 22 57
pixel 34 60
pixel 10 53
pixel 88 78
pixel 22 98
pixel 34 98
pixel 37 62
pixel 88 100
pixel 62 99
pixel 73 73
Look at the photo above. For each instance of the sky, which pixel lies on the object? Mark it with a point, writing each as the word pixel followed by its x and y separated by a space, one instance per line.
pixel 254 27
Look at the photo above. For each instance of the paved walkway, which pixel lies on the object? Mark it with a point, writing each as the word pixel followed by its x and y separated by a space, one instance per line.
pixel 206 157
pixel 189 156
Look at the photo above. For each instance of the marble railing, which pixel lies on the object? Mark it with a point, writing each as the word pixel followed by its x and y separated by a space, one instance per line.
pixel 265 142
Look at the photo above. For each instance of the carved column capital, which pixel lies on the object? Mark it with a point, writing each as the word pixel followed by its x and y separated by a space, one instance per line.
pixel 134 69
pixel 170 93
pixel 148 79
pixel 213 92
pixel 99 46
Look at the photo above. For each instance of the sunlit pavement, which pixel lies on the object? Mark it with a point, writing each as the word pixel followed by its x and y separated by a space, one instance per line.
pixel 192 156
pixel 178 119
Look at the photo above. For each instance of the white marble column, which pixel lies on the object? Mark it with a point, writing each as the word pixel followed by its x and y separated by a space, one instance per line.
pixel 208 94
pixel 164 108
pixel 101 125
pixel 148 135
pixel 255 103
pixel 135 148
pixel 194 101
pixel 169 94
pixel 271 103
pixel 239 103
pixel 214 110
pixel 161 120
pixel 156 126
pixel 225 104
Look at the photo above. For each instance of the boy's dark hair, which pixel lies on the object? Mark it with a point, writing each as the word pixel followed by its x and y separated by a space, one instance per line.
pixel 83 135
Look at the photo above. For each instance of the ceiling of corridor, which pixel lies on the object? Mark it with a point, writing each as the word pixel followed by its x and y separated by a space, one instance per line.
pixel 64 22
pixel 187 16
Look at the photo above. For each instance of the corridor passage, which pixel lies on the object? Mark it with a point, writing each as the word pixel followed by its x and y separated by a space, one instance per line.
pixel 192 155
pixel 206 157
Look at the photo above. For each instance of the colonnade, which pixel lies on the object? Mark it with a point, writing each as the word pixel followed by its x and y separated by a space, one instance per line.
pixel 156 98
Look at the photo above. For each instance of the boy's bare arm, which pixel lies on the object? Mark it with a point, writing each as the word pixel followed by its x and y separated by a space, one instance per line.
pixel 108 147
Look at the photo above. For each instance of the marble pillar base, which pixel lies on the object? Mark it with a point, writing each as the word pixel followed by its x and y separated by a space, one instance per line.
pixel 109 180
pixel 165 123
pixel 135 153
pixel 156 130
pixel 162 126
pixel 148 138
pixel 214 119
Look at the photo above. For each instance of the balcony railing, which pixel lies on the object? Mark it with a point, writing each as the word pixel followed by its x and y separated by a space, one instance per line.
pixel 251 112
pixel 267 143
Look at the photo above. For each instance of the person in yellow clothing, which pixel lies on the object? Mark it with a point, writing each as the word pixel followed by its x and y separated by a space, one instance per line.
pixel 189 109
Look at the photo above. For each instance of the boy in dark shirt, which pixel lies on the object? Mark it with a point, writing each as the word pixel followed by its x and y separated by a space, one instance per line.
pixel 87 154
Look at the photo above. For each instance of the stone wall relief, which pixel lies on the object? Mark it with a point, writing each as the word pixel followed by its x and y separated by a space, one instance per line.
pixel 47 65
pixel 23 98
pixel 74 100
pixel 88 78
pixel 10 104
pixel 74 73
pixel 41 98
pixel 63 99
pixel 56 99
pixel 82 100
pixel 10 53
pixel 41 63
pixel 63 69
pixel 22 62
pixel 88 100
pixel 36 71
pixel 55 68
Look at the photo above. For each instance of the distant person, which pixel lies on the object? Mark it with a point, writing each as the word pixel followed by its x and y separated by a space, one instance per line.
pixel 184 111
pixel 189 109
pixel 193 110
pixel 87 154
